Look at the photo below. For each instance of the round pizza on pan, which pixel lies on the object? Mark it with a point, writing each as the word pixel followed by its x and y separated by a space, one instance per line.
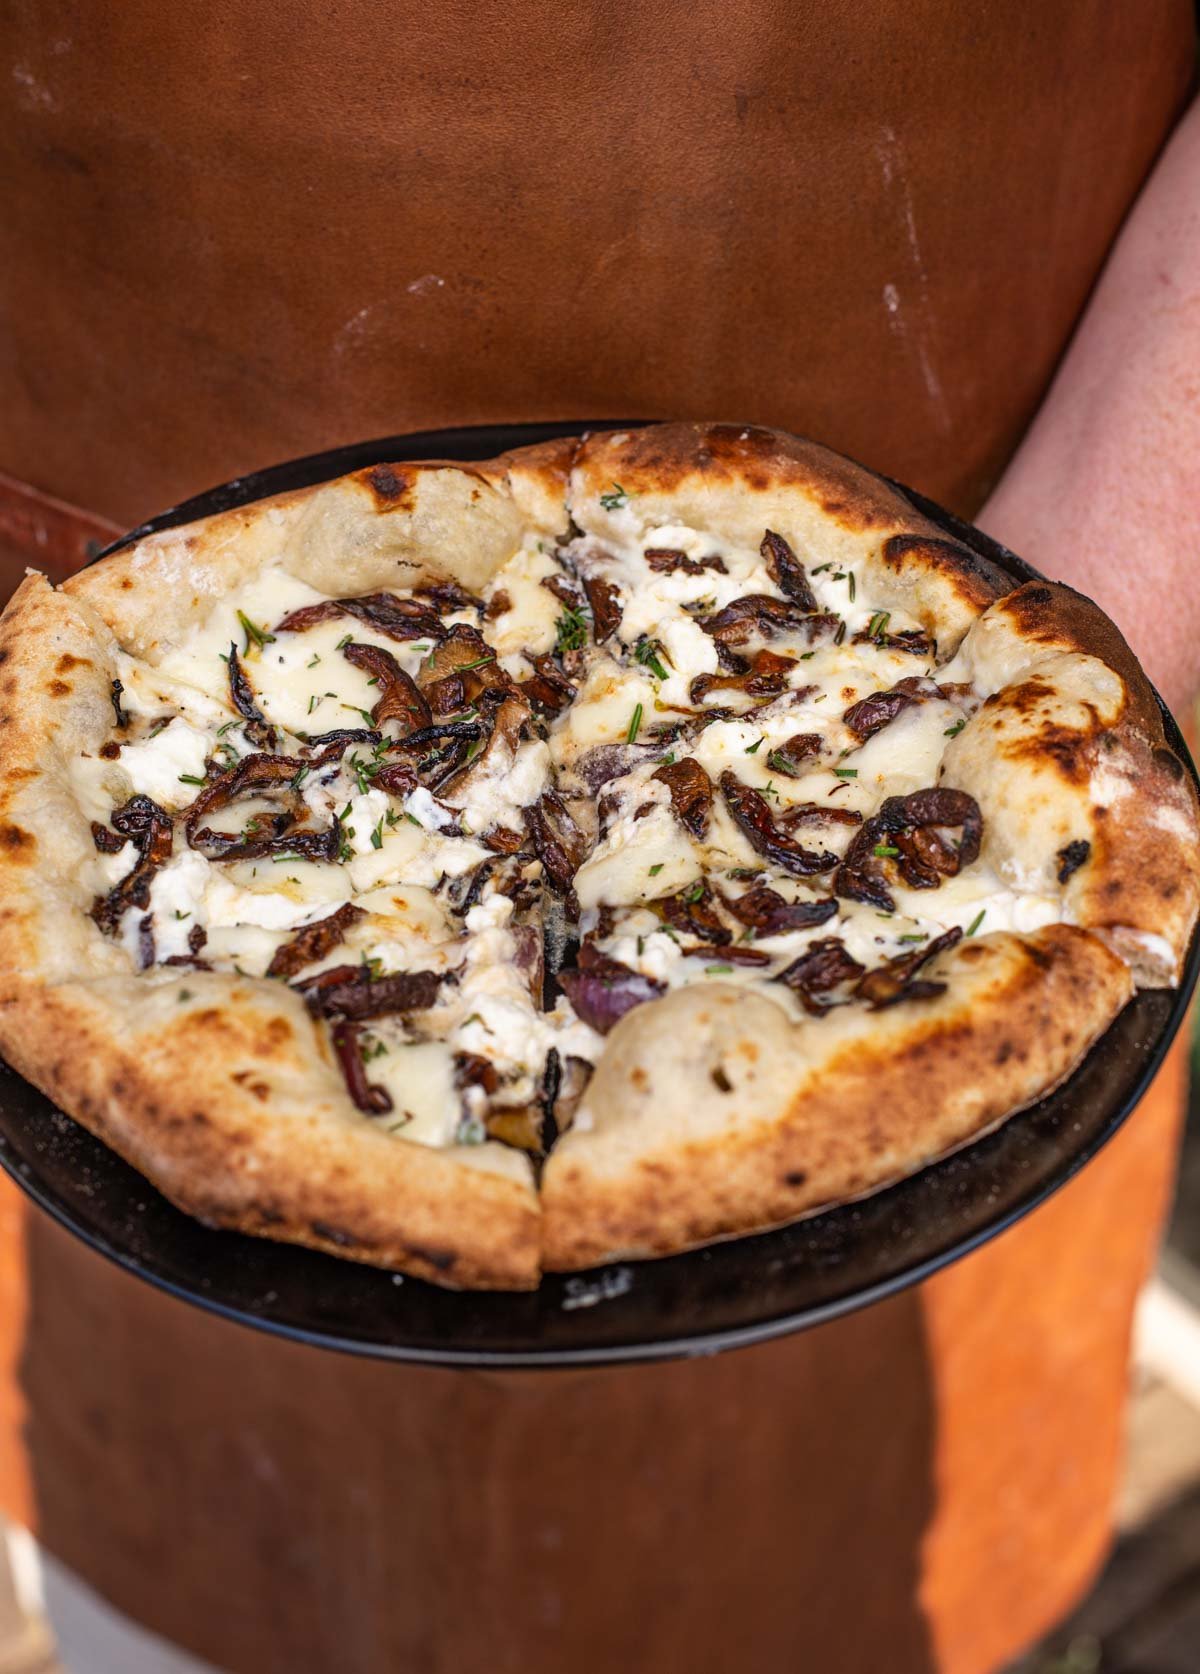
pixel 630 842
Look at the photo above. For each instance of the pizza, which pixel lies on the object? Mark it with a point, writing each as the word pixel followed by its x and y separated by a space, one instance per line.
pixel 630 842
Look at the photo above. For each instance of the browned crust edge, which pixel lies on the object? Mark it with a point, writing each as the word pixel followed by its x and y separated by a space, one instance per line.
pixel 295 1174
pixel 947 1073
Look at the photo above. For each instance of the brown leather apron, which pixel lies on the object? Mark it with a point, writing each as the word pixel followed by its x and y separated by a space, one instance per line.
pixel 234 233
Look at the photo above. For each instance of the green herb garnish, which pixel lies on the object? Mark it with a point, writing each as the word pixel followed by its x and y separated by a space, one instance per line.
pixel 657 868
pixel 646 652
pixel 634 724
pixel 191 779
pixel 953 732
pixel 885 850
pixel 615 500
pixel 377 835
pixel 877 626
pixel 753 749
pixel 717 970
pixel 845 772
pixel 254 634
pixel 572 630
pixel 976 921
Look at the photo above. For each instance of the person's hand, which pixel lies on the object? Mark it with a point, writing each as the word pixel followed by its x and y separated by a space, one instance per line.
pixel 1104 492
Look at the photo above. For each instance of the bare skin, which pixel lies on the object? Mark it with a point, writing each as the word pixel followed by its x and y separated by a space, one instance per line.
pixel 1104 492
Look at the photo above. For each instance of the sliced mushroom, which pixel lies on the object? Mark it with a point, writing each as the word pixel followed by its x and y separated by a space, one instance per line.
pixel 399 619
pixel 400 699
pixel 314 941
pixel 694 911
pixel 894 981
pixel 766 911
pixel 909 832
pixel 753 818
pixel 787 572
pixel 691 793
pixel 825 966
pixel 347 1046
pixel 257 728
pixel 793 756
pixel 663 560
pixel 759 616
pixel 558 842
pixel 351 991
pixel 149 828
pixel 766 676
pixel 605 603
pixel 548 689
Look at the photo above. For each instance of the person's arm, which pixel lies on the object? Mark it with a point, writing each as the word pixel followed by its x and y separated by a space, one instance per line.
pixel 1104 492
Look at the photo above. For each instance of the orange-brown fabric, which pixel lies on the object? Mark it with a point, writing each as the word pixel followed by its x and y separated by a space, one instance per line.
pixel 239 233
pixel 921 1487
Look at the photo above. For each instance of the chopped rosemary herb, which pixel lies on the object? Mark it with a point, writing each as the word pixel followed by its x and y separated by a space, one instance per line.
pixel 191 779
pixel 841 633
pixel 413 820
pixel 953 732
pixel 657 868
pixel 572 630
pixel 877 626
pixel 465 668
pixel 646 652
pixel 885 850
pixel 254 634
pixel 614 500
pixel 916 936
pixel 820 569
pixel 313 660
pixel 694 892
pixel 846 772
pixel 717 970
pixel 377 835
pixel 976 921
pixel 669 759
pixel 753 749
pixel 635 722
pixel 850 580
pixel 342 643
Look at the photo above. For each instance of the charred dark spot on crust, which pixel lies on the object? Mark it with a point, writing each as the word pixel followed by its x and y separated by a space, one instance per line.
pixel 795 1177
pixel 985 581
pixel 1003 1052
pixel 1072 857
pixel 59 688
pixel 388 485
pixel 111 750
pixel 16 841
pixel 67 662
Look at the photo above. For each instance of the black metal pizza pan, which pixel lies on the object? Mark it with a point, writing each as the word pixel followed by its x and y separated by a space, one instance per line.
pixel 743 1291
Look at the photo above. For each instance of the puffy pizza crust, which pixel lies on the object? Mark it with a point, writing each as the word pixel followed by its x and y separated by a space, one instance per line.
pixel 714 1113
pixel 222 1091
